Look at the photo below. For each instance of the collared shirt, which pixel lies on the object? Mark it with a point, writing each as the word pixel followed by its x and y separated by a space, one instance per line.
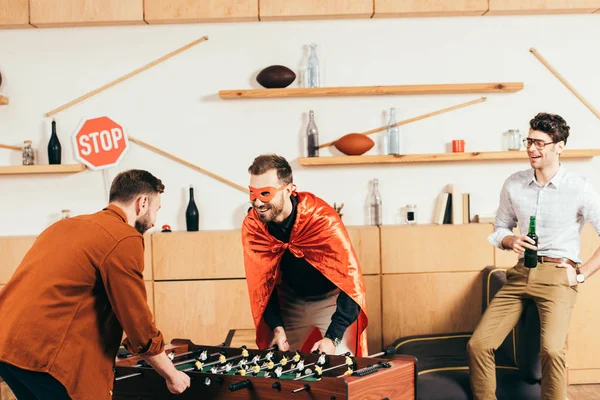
pixel 561 207
pixel 64 309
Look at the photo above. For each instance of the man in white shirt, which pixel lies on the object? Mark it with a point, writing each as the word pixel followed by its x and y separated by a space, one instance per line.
pixel 561 202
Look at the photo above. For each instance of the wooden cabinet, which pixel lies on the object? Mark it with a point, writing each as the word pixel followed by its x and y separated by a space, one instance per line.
pixel 86 12
pixel 12 251
pixel 180 11
pixel 271 10
pixel 198 255
pixel 202 311
pixel 515 7
pixel 435 248
pixel 429 8
pixel 14 14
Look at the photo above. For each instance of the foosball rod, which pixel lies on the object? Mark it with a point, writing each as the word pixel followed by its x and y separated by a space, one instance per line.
pixel 274 348
pixel 306 387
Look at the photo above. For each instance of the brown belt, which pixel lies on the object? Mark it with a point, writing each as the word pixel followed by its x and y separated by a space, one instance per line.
pixel 544 259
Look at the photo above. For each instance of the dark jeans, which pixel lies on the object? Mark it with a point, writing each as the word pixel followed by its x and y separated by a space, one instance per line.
pixel 30 385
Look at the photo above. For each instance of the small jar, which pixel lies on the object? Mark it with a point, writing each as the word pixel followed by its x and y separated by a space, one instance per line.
pixel 514 139
pixel 27 153
pixel 65 214
pixel 410 214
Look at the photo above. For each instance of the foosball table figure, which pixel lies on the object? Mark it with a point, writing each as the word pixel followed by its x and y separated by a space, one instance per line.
pixel 242 373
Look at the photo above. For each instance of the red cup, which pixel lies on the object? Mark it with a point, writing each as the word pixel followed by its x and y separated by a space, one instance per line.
pixel 458 146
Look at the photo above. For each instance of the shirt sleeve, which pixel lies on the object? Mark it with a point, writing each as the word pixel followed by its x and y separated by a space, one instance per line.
pixel 272 314
pixel 591 206
pixel 122 274
pixel 506 219
pixel 345 314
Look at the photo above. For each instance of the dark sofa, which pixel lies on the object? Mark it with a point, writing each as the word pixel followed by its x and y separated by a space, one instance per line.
pixel 443 372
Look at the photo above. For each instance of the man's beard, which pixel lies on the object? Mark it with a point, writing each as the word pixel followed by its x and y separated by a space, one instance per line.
pixel 273 211
pixel 143 223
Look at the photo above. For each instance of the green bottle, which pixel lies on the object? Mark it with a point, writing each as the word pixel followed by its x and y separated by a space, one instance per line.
pixel 531 255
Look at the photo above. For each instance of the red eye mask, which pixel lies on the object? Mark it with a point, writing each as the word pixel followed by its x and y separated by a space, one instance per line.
pixel 264 194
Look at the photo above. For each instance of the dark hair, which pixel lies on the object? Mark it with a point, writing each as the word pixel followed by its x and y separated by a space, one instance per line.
pixel 266 162
pixel 552 124
pixel 127 185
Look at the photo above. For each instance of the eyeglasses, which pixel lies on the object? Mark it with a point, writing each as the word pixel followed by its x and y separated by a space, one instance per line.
pixel 539 144
pixel 264 194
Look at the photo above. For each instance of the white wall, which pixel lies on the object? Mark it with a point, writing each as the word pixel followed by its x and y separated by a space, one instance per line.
pixel 175 106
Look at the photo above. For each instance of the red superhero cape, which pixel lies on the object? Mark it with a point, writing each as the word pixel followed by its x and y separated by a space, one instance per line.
pixel 320 237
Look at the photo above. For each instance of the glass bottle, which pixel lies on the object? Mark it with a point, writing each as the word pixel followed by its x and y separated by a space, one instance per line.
pixel 411 214
pixel 393 133
pixel 514 139
pixel 54 147
pixel 530 257
pixel 27 153
pixel 312 135
pixel 192 217
pixel 375 204
pixel 313 76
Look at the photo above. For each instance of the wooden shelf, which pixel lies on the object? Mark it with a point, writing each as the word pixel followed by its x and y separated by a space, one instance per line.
pixel 3 100
pixel 450 88
pixel 41 169
pixel 442 157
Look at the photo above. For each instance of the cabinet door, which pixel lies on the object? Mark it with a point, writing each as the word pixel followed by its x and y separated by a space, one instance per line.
pixel 271 10
pixel 178 11
pixel 506 7
pixel 86 12
pixel 429 8
pixel 14 14
pixel 583 360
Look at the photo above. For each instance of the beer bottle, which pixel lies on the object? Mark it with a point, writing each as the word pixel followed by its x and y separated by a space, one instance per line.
pixel 531 255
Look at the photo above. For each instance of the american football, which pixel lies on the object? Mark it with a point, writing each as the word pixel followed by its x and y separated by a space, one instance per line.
pixel 275 76
pixel 354 144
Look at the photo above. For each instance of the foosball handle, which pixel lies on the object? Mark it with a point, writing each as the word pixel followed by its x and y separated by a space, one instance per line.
pixel 246 383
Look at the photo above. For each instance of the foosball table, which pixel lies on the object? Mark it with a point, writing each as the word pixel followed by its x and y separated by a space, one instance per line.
pixel 242 373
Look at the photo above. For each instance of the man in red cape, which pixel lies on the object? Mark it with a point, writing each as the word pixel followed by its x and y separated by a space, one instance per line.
pixel 301 268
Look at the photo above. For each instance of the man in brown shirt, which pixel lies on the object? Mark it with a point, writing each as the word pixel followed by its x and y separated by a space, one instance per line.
pixel 64 310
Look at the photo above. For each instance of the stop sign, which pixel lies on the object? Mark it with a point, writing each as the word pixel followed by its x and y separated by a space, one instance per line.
pixel 100 143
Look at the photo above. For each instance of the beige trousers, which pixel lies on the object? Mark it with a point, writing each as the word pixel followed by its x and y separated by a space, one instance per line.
pixel 548 286
pixel 301 316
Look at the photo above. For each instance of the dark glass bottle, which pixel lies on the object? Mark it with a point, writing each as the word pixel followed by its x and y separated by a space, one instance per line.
pixel 54 147
pixel 531 255
pixel 192 216
pixel 312 134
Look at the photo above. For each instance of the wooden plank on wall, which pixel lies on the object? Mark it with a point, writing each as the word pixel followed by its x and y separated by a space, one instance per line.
pixel 182 11
pixel 365 240
pixel 202 311
pixel 273 10
pixel 418 304
pixel 12 251
pixel 429 8
pixel 150 295
pixel 198 255
pixel 374 332
pixel 86 12
pixel 515 7
pixel 583 376
pixel 148 257
pixel 585 322
pixel 425 248
pixel 14 14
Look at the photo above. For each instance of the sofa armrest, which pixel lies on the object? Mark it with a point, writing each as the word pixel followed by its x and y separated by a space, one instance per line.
pixel 435 351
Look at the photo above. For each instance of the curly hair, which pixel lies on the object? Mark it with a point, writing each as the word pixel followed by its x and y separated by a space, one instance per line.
pixel 552 124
